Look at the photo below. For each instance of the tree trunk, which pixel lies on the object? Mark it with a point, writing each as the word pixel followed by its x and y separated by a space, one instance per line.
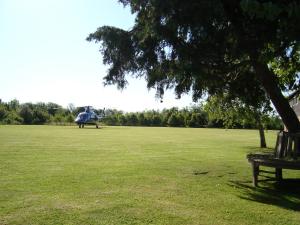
pixel 261 130
pixel 263 143
pixel 269 82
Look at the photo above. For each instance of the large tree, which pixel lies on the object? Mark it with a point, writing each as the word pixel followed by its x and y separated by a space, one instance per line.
pixel 241 47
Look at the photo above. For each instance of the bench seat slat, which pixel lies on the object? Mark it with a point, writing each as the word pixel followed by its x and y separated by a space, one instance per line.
pixel 277 163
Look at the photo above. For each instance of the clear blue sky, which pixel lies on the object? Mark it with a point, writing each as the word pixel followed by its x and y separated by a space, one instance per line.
pixel 45 57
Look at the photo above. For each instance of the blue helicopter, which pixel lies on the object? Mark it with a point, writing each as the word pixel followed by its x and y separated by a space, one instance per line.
pixel 88 117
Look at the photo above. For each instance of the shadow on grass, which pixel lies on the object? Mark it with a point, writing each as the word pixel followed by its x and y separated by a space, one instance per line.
pixel 90 127
pixel 200 173
pixel 285 194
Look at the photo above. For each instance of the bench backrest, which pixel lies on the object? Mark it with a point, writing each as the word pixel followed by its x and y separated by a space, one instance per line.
pixel 287 145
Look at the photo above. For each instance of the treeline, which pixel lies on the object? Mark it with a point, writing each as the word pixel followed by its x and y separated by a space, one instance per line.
pixel 51 113
pixel 188 117
pixel 40 113
pixel 196 116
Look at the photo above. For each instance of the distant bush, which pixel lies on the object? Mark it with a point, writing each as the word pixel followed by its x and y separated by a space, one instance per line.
pixel 13 118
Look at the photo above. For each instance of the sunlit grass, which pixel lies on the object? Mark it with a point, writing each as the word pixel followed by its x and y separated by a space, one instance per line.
pixel 129 175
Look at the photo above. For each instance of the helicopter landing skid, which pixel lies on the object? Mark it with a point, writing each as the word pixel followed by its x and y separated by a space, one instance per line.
pixel 82 125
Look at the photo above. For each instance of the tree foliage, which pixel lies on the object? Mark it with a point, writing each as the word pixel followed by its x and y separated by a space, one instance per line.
pixel 241 47
pixel 236 114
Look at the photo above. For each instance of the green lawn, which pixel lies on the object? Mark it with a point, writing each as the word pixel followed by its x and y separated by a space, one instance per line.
pixel 129 175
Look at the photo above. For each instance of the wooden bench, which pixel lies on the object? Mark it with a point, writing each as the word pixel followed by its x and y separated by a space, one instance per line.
pixel 286 156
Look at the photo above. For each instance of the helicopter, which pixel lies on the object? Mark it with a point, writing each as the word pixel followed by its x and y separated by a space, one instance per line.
pixel 88 117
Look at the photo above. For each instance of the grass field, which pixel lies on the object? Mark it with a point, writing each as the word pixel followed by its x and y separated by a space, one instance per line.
pixel 129 175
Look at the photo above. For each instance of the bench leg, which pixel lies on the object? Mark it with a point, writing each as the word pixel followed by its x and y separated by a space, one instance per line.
pixel 255 171
pixel 278 174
